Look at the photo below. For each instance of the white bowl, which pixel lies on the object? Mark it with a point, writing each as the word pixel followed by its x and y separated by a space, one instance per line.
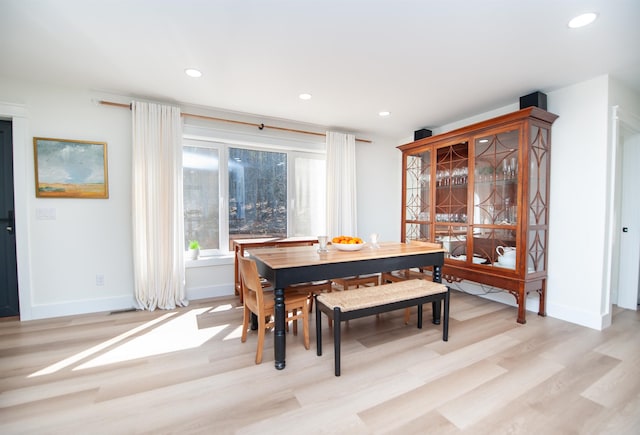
pixel 348 246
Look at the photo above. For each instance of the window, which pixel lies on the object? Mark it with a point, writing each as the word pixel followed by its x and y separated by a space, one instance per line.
pixel 257 193
pixel 201 193
pixel 233 192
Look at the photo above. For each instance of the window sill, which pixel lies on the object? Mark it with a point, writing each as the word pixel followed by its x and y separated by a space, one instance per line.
pixel 218 260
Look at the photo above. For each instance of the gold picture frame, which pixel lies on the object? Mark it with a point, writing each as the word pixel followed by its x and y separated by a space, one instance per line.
pixel 70 168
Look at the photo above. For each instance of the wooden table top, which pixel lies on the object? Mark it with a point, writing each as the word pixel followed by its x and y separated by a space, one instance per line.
pixel 273 240
pixel 281 258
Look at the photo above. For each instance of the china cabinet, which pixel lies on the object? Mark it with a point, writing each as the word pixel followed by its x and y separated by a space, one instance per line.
pixel 483 192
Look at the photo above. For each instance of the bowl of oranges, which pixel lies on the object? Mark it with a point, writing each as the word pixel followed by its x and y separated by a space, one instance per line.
pixel 347 243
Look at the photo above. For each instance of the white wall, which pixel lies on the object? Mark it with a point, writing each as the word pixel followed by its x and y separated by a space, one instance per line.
pixel 379 186
pixel 88 236
pixel 578 202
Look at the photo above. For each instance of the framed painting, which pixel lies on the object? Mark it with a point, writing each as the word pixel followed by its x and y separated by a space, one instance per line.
pixel 70 168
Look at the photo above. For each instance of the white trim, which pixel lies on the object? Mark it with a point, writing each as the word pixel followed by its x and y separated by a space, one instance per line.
pixel 216 260
pixel 579 317
pixel 245 139
pixel 82 307
pixel 12 110
pixel 610 219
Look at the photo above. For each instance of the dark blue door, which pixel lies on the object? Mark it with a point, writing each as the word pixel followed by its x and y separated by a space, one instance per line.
pixel 8 268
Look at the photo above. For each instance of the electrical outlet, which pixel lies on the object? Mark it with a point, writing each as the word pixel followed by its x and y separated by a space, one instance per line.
pixel 99 280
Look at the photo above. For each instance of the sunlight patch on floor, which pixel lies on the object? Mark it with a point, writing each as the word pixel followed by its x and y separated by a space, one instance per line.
pixel 234 335
pixel 180 333
pixel 95 349
pixel 220 308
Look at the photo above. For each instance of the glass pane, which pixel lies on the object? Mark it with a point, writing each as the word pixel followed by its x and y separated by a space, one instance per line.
pixel 201 196
pixel 309 176
pixel 537 249
pixel 539 161
pixel 257 193
pixel 454 240
pixel 495 246
pixel 417 232
pixel 452 170
pixel 496 179
pixel 418 182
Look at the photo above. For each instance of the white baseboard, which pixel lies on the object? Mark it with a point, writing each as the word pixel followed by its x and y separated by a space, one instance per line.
pixel 210 291
pixel 81 307
pixel 115 303
pixel 582 318
pixel 561 312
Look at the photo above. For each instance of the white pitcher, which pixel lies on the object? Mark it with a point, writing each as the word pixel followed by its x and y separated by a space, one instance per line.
pixel 508 252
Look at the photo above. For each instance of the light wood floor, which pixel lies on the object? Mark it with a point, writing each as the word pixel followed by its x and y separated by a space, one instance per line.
pixel 186 372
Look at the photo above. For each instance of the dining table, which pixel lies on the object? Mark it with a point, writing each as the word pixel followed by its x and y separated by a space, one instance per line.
pixel 241 245
pixel 285 266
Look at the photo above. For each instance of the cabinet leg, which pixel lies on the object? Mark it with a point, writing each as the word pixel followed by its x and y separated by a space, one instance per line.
pixel 522 306
pixel 542 308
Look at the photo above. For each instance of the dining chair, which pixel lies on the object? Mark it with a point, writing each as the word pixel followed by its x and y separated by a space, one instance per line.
pixel 254 301
pixel 310 289
pixel 357 281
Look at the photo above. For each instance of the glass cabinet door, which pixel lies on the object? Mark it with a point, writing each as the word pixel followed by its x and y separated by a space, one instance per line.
pixel 495 199
pixel 539 140
pixel 418 197
pixel 451 211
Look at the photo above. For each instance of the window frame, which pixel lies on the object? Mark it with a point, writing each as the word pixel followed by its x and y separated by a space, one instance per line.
pixel 223 147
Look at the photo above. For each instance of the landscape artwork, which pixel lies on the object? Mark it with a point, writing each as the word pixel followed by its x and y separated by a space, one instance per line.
pixel 70 168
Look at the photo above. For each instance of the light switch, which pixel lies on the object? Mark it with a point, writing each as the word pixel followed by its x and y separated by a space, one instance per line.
pixel 46 214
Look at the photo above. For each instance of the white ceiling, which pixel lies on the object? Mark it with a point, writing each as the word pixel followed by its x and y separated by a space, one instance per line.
pixel 428 62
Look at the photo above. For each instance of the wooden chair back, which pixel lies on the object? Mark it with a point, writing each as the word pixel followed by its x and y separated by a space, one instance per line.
pixel 252 291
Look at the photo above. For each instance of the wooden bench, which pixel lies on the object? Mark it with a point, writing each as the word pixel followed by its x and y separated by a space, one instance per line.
pixel 352 304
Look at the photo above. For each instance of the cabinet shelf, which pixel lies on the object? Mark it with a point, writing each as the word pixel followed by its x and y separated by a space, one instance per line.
pixel 452 186
pixel 474 185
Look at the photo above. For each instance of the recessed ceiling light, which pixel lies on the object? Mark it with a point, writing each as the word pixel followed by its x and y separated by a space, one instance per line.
pixel 192 72
pixel 304 96
pixel 582 20
pixel 483 140
pixel 384 113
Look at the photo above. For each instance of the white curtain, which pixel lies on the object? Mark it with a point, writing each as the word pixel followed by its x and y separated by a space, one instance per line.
pixel 158 228
pixel 341 184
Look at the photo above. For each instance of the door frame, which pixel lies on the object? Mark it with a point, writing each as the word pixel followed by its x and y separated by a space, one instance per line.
pixel 18 116
pixel 614 193
pixel 627 296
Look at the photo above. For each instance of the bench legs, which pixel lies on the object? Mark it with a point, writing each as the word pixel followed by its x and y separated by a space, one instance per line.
pixel 336 336
pixel 318 328
pixel 445 324
pixel 338 327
